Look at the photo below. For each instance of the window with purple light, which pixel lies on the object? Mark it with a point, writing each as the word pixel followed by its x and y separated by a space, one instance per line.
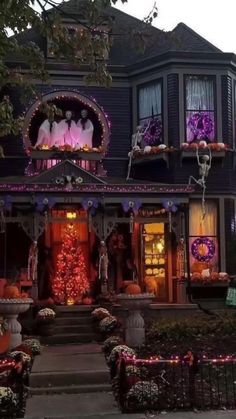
pixel 203 237
pixel 150 112
pixel 200 109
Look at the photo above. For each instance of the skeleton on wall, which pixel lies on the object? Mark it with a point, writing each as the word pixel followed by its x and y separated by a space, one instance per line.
pixel 204 164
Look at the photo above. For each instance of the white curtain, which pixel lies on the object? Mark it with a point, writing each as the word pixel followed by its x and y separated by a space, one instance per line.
pixel 199 226
pixel 199 94
pixel 150 100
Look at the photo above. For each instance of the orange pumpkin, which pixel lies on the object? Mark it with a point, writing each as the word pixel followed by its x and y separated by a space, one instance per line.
pixel 133 289
pixel 87 301
pixel 11 291
pixel 4 342
pixel 3 282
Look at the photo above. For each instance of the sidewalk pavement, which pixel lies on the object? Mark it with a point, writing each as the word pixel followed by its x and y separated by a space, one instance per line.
pixel 174 415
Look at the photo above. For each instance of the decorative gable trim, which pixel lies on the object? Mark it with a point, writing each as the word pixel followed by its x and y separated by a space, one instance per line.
pixel 66 169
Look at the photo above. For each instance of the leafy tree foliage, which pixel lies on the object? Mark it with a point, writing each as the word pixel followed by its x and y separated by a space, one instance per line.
pixel 88 44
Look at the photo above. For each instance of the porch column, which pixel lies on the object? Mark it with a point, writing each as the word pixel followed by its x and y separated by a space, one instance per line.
pixel 222 234
pixel 33 226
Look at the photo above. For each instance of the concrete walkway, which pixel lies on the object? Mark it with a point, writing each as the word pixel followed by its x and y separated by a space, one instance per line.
pixel 174 415
pixel 76 369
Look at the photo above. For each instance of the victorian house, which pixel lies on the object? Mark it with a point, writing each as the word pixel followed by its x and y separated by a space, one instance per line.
pixel 164 212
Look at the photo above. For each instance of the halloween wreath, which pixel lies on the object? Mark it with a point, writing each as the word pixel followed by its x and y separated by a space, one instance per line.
pixel 210 249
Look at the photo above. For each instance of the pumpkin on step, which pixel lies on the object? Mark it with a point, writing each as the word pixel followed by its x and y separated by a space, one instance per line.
pixel 87 301
pixel 133 289
pixel 11 291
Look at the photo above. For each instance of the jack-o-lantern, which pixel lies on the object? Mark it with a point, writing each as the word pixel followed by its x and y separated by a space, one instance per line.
pixel 70 301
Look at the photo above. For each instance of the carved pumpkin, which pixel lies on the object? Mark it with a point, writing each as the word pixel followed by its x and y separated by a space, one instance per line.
pixel 11 291
pixel 133 289
pixel 87 301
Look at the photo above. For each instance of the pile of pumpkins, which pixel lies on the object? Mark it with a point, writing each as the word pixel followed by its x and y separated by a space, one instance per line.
pixel 11 291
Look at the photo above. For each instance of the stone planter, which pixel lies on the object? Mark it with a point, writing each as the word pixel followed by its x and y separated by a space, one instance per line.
pixel 10 309
pixel 134 325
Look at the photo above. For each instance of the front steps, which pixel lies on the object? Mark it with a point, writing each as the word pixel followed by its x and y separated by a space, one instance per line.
pixel 68 379
pixel 70 369
pixel 73 324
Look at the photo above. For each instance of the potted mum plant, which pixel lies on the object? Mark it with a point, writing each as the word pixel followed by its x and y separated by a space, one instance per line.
pixel 142 396
pixel 108 325
pixel 33 345
pixel 45 321
pixel 8 402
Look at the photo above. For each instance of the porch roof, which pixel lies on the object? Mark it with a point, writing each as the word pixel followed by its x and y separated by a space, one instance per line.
pixel 22 184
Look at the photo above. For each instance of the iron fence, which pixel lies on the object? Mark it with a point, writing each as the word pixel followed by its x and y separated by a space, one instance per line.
pixel 142 385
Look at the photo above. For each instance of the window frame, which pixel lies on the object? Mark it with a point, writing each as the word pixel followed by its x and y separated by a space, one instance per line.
pixel 215 237
pixel 209 77
pixel 234 112
pixel 160 115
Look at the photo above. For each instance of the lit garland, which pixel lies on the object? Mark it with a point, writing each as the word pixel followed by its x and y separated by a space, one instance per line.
pixel 133 360
pixel 70 282
pixel 98 188
pixel 151 213
pixel 73 95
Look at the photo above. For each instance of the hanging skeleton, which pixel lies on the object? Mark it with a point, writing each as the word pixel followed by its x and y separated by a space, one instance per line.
pixel 33 262
pixel 131 223
pixel 103 267
pixel 180 265
pixel 136 144
pixel 204 167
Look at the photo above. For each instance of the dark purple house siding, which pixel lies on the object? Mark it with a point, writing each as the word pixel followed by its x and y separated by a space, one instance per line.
pixel 173 109
pixel 230 230
pixel 227 110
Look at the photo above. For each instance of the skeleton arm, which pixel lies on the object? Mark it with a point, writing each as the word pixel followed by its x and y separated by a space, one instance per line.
pixel 198 159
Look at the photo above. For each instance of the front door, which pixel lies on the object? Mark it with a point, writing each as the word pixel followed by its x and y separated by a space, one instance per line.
pixel 155 259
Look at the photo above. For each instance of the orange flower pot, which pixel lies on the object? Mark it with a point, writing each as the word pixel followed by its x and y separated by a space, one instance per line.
pixel 4 342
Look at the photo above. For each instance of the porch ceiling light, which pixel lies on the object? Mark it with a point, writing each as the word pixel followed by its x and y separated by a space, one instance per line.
pixel 71 215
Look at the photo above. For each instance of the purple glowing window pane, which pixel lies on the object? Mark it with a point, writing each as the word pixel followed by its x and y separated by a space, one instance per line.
pixel 152 129
pixel 200 125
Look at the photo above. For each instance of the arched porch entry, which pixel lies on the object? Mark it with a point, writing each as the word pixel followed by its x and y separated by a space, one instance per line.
pixel 65 100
